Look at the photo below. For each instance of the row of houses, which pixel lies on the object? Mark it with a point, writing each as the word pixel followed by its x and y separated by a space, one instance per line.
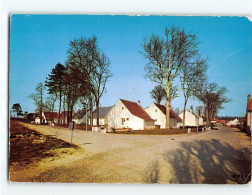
pixel 49 117
pixel 128 114
pixel 243 123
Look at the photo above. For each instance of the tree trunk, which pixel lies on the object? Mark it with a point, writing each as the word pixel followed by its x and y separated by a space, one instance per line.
pixel 71 114
pixel 167 125
pixel 91 110
pixel 59 104
pixel 52 120
pixel 41 104
pixel 97 113
pixel 64 110
pixel 184 113
pixel 68 110
pixel 207 116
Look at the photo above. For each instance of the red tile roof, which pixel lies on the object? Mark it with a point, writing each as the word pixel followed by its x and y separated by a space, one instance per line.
pixel 136 110
pixel 249 106
pixel 62 115
pixel 172 113
pixel 49 115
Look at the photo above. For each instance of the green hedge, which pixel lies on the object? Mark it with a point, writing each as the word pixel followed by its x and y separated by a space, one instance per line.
pixel 156 131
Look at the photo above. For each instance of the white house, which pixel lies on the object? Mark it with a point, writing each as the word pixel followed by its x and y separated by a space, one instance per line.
pixel 191 119
pixel 233 122
pixel 158 113
pixel 127 114
pixel 103 116
pixel 80 117
pixel 47 117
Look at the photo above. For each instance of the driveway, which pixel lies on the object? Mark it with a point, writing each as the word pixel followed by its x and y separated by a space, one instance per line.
pixel 215 156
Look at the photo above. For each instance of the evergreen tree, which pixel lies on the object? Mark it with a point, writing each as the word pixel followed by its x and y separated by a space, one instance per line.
pixel 17 108
pixel 55 81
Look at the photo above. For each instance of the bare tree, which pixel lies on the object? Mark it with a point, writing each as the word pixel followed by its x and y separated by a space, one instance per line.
pixel 37 97
pixel 213 98
pixel 72 90
pixel 177 111
pixel 191 75
pixel 199 110
pixel 82 54
pixel 50 104
pixel 101 76
pixel 166 56
pixel 93 70
pixel 158 94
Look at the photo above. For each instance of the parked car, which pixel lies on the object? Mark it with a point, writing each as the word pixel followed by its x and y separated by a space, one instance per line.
pixel 214 127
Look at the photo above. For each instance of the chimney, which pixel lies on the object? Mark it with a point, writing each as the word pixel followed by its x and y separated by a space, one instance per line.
pixel 191 111
pixel 138 102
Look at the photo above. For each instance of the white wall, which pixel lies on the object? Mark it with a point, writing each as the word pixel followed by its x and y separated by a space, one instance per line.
pixel 233 122
pixel 149 124
pixel 190 119
pixel 117 113
pixel 156 114
pixel 101 121
pixel 160 118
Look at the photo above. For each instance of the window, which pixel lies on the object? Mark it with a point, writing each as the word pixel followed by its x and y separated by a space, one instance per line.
pixel 122 108
pixel 123 120
pixel 156 110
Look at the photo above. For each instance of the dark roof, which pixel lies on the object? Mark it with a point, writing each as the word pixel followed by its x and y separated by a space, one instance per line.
pixel 49 115
pixel 136 110
pixel 79 114
pixel 172 113
pixel 103 111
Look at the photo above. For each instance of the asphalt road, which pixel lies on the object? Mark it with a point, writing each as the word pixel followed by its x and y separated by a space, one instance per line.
pixel 215 156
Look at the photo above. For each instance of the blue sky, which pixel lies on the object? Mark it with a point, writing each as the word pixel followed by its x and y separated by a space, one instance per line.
pixel 39 42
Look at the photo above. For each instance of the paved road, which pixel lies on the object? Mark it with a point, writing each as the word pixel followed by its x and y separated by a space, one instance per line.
pixel 215 156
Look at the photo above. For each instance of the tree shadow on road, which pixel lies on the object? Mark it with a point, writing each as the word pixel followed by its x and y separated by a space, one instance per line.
pixel 210 162
pixel 151 172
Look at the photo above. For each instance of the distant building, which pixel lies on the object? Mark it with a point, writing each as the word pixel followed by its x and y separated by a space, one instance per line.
pixel 63 117
pixel 47 117
pixel 191 119
pixel 233 123
pixel 51 117
pixel 31 117
pixel 213 121
pixel 127 114
pixel 81 116
pixel 223 122
pixel 103 116
pixel 158 113
pixel 248 122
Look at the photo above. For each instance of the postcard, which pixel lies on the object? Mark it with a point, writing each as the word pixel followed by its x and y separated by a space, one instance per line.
pixel 130 99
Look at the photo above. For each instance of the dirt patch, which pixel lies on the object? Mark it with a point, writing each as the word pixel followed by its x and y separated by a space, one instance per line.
pixel 28 146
